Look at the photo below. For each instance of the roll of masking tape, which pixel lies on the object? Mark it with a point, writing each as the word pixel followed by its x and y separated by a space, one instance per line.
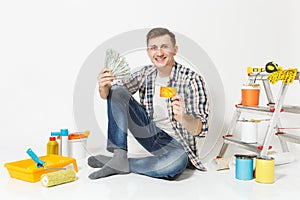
pixel 264 172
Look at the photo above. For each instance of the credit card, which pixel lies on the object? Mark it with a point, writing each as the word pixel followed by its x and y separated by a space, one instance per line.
pixel 167 92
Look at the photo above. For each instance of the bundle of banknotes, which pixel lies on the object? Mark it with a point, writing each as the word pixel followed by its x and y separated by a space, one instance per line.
pixel 117 63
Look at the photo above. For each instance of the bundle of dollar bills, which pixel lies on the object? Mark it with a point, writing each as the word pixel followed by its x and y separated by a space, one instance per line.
pixel 117 63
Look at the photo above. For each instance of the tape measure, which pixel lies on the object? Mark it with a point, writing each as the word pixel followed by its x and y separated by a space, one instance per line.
pixel 272 67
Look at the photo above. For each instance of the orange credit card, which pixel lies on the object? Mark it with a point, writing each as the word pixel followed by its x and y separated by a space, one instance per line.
pixel 167 92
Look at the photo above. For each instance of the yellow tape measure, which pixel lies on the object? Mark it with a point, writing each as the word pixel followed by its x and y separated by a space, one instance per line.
pixel 272 67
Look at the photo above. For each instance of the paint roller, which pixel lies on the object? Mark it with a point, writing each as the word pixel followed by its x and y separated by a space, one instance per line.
pixel 50 179
pixel 57 178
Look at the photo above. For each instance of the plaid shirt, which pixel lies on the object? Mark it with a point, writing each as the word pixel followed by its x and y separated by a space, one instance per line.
pixel 190 85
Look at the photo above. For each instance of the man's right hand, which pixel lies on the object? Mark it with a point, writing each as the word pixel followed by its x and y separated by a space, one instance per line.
pixel 104 81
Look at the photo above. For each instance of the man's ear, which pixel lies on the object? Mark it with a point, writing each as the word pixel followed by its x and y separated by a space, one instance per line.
pixel 175 49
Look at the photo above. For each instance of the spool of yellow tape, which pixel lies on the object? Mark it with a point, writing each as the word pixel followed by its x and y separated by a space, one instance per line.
pixel 264 172
pixel 58 177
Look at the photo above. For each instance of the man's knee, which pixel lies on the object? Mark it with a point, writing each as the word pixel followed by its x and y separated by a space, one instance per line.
pixel 119 92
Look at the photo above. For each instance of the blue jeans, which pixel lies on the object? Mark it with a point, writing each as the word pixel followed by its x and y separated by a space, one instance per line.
pixel 168 158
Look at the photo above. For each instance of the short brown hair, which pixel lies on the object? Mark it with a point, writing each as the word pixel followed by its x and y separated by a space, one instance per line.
pixel 156 32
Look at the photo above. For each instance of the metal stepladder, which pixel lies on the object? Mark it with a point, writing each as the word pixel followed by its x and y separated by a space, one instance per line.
pixel 273 109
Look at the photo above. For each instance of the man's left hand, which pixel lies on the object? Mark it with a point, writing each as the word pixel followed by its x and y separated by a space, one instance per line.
pixel 178 106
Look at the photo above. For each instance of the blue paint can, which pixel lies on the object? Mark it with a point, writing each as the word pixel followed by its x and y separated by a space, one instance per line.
pixel 244 167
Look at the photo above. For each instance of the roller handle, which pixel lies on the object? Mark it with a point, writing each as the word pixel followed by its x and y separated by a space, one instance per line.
pixel 39 162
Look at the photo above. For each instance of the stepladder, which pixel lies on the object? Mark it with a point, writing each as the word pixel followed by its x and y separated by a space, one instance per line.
pixel 273 110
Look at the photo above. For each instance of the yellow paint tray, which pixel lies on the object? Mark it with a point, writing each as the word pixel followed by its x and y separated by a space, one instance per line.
pixel 27 170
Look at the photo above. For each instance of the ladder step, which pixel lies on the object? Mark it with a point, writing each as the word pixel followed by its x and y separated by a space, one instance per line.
pixel 268 110
pixel 289 137
pixel 291 109
pixel 229 139
pixel 258 109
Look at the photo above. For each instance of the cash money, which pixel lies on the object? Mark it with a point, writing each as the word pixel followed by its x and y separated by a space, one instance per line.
pixel 117 63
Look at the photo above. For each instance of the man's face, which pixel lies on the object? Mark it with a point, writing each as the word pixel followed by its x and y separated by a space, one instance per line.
pixel 161 51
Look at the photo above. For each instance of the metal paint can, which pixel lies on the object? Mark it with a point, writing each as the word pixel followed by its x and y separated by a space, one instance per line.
pixel 244 167
pixel 264 172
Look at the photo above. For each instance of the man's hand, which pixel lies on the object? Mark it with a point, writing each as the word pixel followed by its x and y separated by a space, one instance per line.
pixel 192 124
pixel 178 106
pixel 104 81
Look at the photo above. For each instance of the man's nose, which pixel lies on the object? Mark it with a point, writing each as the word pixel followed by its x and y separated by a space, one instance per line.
pixel 159 51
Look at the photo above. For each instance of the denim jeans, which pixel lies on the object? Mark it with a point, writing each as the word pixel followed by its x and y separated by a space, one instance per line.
pixel 168 158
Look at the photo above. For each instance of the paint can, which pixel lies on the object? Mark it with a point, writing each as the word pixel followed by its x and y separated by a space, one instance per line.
pixel 244 167
pixel 78 144
pixel 249 131
pixel 264 172
pixel 250 95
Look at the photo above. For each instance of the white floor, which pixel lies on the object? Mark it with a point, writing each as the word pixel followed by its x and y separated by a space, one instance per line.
pixel 190 185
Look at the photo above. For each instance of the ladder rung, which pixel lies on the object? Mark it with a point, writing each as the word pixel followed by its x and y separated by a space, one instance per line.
pixel 291 109
pixel 269 110
pixel 256 109
pixel 289 137
pixel 264 76
pixel 260 76
pixel 229 139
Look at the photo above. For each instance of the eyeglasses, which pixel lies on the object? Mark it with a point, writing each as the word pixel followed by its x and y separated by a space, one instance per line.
pixel 164 47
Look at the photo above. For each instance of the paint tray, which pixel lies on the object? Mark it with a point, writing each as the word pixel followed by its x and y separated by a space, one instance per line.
pixel 27 170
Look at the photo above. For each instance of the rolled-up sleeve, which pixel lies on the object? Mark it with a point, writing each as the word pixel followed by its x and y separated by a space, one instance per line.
pixel 197 103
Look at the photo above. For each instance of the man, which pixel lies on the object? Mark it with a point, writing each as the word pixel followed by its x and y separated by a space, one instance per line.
pixel 165 127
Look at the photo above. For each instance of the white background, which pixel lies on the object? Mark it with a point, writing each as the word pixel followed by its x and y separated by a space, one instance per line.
pixel 43 45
